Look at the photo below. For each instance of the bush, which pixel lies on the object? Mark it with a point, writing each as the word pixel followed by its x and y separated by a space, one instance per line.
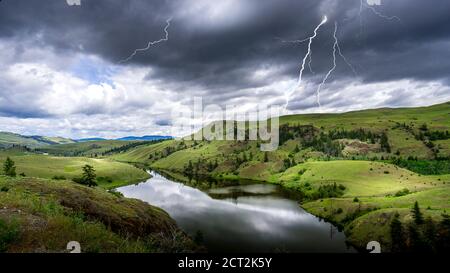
pixel 78 180
pixel 59 177
pixel 339 211
pixel 106 179
pixel 9 232
pixel 116 193
pixel 356 200
pixel 402 192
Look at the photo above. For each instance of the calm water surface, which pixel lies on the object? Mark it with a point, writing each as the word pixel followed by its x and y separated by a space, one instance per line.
pixel 240 218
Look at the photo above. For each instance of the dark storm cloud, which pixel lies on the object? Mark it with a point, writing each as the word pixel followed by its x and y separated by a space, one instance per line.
pixel 220 49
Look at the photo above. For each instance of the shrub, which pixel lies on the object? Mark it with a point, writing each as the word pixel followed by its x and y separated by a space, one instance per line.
pixel 59 177
pixel 9 232
pixel 402 192
pixel 116 193
pixel 356 200
pixel 103 179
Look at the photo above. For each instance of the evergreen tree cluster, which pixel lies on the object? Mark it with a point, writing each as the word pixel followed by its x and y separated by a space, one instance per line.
pixel 421 235
pixel 323 143
pixel 425 167
pixel 326 141
pixel 129 146
pixel 199 168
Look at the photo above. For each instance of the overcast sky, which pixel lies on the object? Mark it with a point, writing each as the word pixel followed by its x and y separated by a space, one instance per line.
pixel 61 73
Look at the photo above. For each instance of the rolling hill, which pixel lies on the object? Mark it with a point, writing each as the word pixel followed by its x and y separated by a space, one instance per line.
pixel 356 169
pixel 9 139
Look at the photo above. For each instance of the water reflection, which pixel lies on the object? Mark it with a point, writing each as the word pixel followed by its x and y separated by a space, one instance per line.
pixel 247 218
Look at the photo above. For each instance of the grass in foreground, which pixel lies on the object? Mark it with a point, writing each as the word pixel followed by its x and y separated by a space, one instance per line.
pixel 39 215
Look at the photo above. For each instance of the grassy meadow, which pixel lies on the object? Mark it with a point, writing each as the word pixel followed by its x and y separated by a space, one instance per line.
pixel 46 166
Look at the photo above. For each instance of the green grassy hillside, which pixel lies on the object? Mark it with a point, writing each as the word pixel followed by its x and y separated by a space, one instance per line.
pixel 142 153
pixel 90 148
pixel 10 139
pixel 38 215
pixel 409 133
pixel 361 178
pixel 436 117
pixel 33 165
pixel 356 169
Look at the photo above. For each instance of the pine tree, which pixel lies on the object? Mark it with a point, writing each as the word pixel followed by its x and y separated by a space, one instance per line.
pixel 430 233
pixel 417 214
pixel 443 235
pixel 89 176
pixel 9 167
pixel 397 235
pixel 384 142
pixel 415 239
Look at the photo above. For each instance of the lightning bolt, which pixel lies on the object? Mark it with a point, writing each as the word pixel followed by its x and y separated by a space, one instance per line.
pixel 307 55
pixel 376 12
pixel 300 42
pixel 150 44
pixel 361 7
pixel 309 63
pixel 335 49
pixel 341 54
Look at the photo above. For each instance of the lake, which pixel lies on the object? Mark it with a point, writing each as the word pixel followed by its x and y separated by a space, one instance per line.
pixel 247 217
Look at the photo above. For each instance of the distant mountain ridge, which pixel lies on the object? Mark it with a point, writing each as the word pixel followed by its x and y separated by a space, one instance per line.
pixel 8 139
pixel 90 139
pixel 127 138
pixel 151 137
